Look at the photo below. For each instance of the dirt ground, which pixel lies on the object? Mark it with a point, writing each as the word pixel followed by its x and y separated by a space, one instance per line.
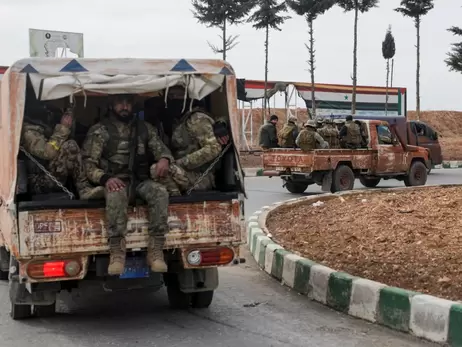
pixel 407 239
pixel 447 123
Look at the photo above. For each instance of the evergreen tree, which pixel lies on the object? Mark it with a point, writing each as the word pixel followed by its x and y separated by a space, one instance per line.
pixel 311 9
pixel 388 52
pixel 454 60
pixel 268 15
pixel 358 6
pixel 220 13
pixel 416 9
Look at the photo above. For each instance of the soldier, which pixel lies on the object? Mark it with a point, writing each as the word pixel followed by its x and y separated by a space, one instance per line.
pixel 268 136
pixel 330 133
pixel 350 134
pixel 194 145
pixel 108 157
pixel 52 148
pixel 289 133
pixel 309 139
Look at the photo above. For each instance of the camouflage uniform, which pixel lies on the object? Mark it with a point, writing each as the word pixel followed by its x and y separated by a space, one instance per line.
pixel 330 133
pixel 350 135
pixel 106 154
pixel 60 156
pixel 289 133
pixel 194 147
pixel 309 139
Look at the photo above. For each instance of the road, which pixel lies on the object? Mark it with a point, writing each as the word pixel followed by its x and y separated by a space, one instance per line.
pixel 250 309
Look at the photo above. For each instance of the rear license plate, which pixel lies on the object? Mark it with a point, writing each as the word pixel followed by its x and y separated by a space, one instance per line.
pixel 135 267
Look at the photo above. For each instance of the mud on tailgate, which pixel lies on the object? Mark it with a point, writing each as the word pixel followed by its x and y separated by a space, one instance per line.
pixel 80 226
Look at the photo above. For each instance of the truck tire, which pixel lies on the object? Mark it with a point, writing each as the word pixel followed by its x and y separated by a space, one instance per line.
pixel 369 182
pixel 19 312
pixel 417 175
pixel 202 299
pixel 296 187
pixel 44 310
pixel 176 298
pixel 343 179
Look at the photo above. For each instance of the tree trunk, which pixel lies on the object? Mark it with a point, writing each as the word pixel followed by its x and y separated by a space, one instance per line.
pixel 265 100
pixel 386 98
pixel 355 62
pixel 224 40
pixel 392 71
pixel 417 102
pixel 312 67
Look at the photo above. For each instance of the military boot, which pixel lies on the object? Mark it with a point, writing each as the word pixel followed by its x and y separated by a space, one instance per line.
pixel 117 250
pixel 155 256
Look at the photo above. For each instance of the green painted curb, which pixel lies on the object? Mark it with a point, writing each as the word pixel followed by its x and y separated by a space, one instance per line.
pixel 394 309
pixel 302 275
pixel 278 263
pixel 455 326
pixel 262 255
pixel 260 172
pixel 339 291
pixel 254 239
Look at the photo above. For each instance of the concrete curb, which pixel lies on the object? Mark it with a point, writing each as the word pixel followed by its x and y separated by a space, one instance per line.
pixel 425 316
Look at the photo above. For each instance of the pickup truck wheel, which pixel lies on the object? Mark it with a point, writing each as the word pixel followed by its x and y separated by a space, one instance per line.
pixel 4 275
pixel 417 175
pixel 44 310
pixel 176 298
pixel 369 182
pixel 296 187
pixel 343 179
pixel 19 312
pixel 202 299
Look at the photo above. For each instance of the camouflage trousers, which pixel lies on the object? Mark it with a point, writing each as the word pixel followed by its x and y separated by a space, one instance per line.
pixel 67 163
pixel 155 195
pixel 180 180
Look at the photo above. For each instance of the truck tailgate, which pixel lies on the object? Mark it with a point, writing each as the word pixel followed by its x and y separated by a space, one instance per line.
pixel 80 226
pixel 280 159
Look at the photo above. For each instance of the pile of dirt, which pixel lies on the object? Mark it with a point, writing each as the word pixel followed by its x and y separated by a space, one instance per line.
pixel 382 236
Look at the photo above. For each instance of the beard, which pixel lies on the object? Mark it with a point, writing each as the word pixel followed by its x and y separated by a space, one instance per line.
pixel 124 117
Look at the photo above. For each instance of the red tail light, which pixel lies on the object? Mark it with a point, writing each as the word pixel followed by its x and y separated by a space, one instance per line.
pixel 207 257
pixel 54 269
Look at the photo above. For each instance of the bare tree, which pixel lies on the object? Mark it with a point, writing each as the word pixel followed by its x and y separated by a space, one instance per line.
pixel 268 16
pixel 358 6
pixel 220 13
pixel 311 9
pixel 388 52
pixel 416 9
pixel 454 60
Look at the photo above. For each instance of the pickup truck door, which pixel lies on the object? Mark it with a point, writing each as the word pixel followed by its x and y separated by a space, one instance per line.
pixel 391 156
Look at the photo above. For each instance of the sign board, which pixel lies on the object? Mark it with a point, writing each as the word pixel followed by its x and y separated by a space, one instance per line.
pixel 49 43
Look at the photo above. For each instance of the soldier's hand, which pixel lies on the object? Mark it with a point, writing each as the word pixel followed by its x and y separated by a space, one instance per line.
pixel 66 120
pixel 114 184
pixel 223 140
pixel 162 167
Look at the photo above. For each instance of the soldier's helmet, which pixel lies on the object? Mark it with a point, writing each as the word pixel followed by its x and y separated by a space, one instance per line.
pixel 319 120
pixel 292 119
pixel 310 123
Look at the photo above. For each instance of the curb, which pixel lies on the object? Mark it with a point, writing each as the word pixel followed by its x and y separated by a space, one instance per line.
pixel 253 172
pixel 425 316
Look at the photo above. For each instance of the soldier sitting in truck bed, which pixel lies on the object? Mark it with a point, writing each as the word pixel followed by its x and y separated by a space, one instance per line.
pixel 350 134
pixel 309 139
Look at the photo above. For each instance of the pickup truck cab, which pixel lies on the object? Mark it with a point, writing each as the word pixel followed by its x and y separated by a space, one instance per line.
pixel 52 242
pixel 386 157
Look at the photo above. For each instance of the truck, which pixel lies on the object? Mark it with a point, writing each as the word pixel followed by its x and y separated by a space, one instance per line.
pixel 53 242
pixel 387 156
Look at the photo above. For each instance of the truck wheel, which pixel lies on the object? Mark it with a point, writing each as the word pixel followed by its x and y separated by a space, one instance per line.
pixel 202 299
pixel 19 312
pixel 369 182
pixel 3 275
pixel 296 187
pixel 343 179
pixel 176 298
pixel 44 310
pixel 417 175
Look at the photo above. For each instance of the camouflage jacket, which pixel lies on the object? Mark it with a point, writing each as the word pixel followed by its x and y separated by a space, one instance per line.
pixel 194 143
pixel 331 135
pixel 309 140
pixel 99 161
pixel 43 143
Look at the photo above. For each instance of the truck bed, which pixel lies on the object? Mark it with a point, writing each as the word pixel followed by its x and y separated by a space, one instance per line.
pixel 73 226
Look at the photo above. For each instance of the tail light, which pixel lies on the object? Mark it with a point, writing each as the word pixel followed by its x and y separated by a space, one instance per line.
pixel 207 257
pixel 54 269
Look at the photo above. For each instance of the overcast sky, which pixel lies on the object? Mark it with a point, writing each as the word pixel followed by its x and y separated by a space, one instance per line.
pixel 167 29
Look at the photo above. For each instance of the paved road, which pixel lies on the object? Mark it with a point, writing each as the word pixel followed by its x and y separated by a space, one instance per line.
pixel 276 316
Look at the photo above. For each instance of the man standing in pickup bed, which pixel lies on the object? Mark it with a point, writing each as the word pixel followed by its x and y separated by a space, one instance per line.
pixel 350 134
pixel 107 153
pixel 268 135
pixel 51 147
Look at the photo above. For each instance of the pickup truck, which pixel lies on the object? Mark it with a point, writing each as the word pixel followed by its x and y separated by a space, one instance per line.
pixel 53 242
pixel 386 157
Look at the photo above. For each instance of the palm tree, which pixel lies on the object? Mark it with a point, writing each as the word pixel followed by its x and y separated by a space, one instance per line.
pixel 416 9
pixel 220 13
pixel 357 6
pixel 268 16
pixel 388 52
pixel 311 9
pixel 454 60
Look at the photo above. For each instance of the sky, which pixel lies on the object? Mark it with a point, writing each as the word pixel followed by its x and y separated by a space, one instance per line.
pixel 167 29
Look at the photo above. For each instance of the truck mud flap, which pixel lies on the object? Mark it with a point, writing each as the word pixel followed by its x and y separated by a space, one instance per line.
pixel 327 181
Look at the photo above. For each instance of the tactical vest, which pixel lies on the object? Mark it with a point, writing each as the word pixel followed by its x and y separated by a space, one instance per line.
pixel 330 134
pixel 118 148
pixel 287 135
pixel 32 168
pixel 353 135
pixel 307 141
pixel 182 141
